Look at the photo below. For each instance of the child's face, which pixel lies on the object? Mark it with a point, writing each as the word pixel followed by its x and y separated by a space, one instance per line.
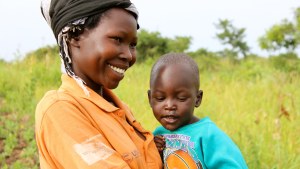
pixel 173 96
pixel 102 55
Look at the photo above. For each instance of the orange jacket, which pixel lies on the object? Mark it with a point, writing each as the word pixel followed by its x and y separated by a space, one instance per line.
pixel 78 131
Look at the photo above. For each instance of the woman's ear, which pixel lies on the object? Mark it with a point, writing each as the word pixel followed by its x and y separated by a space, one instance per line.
pixel 199 98
pixel 75 42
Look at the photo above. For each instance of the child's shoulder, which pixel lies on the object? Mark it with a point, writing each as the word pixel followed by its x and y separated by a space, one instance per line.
pixel 203 124
pixel 159 130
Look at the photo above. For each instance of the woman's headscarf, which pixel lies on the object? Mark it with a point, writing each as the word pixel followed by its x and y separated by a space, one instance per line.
pixel 64 15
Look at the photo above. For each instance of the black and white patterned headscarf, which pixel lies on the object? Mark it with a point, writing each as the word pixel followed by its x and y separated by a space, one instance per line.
pixel 64 16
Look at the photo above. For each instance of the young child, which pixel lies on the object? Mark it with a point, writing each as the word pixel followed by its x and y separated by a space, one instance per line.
pixel 184 140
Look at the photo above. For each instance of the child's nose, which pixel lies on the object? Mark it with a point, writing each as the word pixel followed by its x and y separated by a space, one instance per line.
pixel 170 105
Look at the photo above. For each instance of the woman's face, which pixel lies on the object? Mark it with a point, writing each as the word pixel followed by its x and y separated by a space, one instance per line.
pixel 102 55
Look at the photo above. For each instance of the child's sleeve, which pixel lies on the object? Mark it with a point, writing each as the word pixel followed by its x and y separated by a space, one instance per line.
pixel 220 151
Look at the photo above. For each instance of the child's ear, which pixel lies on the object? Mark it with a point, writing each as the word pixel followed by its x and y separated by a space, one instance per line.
pixel 199 98
pixel 75 42
pixel 149 97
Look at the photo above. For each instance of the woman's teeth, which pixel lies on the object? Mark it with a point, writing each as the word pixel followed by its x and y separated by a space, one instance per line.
pixel 119 70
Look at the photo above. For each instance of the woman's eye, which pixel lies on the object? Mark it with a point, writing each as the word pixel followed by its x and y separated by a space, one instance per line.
pixel 132 45
pixel 118 39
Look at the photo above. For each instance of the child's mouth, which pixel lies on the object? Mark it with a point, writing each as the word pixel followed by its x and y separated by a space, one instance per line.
pixel 170 119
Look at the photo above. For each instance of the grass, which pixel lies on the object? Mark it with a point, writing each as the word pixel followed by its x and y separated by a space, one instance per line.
pixel 255 101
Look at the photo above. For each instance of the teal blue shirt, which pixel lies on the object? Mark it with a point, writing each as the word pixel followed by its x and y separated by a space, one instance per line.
pixel 205 143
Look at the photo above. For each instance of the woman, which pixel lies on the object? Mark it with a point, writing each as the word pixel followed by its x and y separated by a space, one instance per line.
pixel 83 124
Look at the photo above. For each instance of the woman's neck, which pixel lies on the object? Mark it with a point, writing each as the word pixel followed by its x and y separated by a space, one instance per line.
pixel 100 91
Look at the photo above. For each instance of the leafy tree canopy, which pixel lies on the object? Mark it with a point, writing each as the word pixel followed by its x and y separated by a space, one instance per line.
pixel 285 35
pixel 232 36
pixel 152 44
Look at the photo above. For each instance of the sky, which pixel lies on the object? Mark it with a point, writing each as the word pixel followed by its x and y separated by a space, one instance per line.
pixel 23 29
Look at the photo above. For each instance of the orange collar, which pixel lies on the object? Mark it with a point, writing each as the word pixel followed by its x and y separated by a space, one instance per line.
pixel 70 86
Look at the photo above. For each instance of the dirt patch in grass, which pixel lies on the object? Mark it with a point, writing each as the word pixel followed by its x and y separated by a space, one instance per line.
pixel 1 145
pixel 14 156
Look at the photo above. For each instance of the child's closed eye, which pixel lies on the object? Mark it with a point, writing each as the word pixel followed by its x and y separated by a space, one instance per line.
pixel 159 98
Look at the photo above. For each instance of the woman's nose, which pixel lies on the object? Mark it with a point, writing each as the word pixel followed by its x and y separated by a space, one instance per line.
pixel 126 53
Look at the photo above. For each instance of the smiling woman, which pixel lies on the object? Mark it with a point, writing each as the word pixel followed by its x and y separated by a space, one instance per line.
pixel 83 124
pixel 108 50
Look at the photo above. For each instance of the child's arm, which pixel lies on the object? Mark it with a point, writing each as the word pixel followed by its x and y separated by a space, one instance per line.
pixel 221 152
pixel 160 143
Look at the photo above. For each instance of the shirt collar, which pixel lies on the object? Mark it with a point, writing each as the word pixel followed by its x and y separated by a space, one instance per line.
pixel 70 86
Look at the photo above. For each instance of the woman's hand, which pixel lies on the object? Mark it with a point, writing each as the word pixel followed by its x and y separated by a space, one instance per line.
pixel 160 143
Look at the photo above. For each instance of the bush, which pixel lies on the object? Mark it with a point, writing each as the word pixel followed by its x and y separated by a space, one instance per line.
pixel 288 62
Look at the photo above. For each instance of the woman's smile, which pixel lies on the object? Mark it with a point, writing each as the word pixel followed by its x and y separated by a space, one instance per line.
pixel 116 69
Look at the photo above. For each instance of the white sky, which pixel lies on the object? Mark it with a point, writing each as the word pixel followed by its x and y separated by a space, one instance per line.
pixel 23 28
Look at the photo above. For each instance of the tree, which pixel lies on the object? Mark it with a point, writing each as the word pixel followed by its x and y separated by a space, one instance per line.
pixel 152 44
pixel 279 36
pixel 285 35
pixel 297 19
pixel 179 44
pixel 232 36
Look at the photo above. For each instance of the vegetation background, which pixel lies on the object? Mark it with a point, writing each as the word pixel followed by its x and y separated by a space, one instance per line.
pixel 255 100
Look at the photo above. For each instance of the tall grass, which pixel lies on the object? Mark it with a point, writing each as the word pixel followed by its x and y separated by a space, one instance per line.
pixel 22 84
pixel 254 101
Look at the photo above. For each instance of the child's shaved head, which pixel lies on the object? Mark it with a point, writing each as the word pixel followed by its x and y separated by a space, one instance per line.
pixel 175 58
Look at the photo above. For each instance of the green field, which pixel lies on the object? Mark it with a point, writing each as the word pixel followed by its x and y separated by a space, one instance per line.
pixel 255 100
